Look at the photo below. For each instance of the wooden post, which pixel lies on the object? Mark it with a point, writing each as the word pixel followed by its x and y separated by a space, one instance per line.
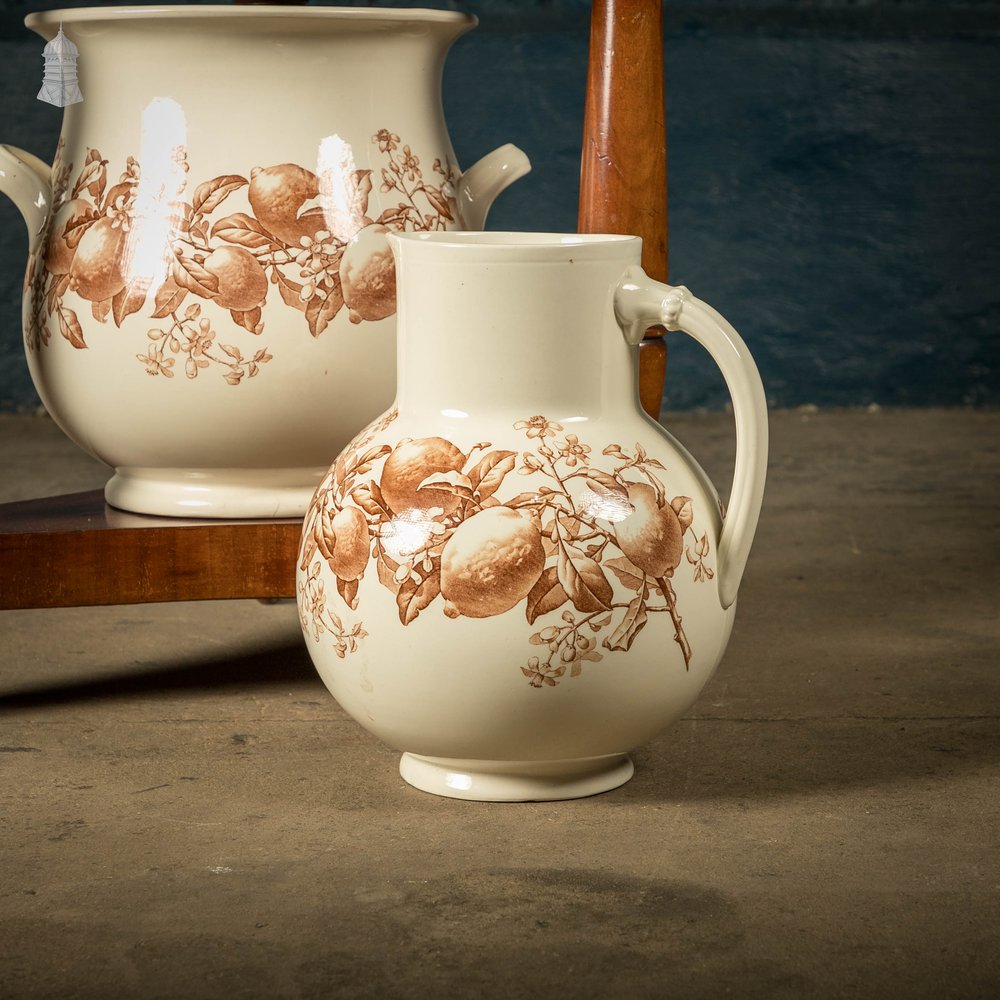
pixel 623 170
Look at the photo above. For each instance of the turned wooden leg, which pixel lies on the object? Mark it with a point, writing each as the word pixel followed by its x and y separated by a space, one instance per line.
pixel 623 171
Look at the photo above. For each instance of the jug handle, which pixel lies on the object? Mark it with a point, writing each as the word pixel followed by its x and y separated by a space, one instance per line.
pixel 641 302
pixel 26 180
pixel 479 186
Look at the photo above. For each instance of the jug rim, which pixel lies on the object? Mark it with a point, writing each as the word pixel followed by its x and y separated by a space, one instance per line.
pixel 356 15
pixel 522 245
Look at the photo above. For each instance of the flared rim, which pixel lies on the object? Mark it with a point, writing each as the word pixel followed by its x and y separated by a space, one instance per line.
pixel 416 16
pixel 534 246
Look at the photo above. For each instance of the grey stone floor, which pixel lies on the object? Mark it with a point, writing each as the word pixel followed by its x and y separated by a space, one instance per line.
pixel 184 811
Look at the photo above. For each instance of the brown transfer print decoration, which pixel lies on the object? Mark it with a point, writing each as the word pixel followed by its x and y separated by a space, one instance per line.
pixel 589 551
pixel 229 262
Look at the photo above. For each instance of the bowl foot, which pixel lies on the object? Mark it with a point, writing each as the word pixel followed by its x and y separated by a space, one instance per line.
pixel 516 781
pixel 215 493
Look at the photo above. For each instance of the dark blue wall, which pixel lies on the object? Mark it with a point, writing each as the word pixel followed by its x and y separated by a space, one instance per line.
pixel 834 174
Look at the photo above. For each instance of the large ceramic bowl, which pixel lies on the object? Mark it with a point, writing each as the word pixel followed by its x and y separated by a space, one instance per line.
pixel 210 296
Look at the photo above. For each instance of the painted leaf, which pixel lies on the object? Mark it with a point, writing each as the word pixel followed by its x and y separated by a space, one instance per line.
pixel 314 219
pixel 683 507
pixel 487 476
pixel 189 274
pixel 169 297
pixel 451 481
pixel 243 230
pixel 69 327
pixel 249 319
pixel 584 581
pixel 601 482
pixel 56 292
pixel 93 174
pixel 211 194
pixel 386 569
pixel 323 533
pixel 546 595
pixel 362 496
pixel 631 576
pixel 348 590
pixel 440 203
pixel 374 453
pixel 291 291
pixel 319 312
pixel 129 300
pixel 361 182
pixel 180 215
pixel 413 597
pixel 77 226
pixel 101 310
pixel 392 217
pixel 629 627
pixel 308 550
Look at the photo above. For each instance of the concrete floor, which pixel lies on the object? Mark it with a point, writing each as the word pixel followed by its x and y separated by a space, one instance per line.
pixel 186 812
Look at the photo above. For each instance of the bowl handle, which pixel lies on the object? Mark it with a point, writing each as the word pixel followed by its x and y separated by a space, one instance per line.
pixel 641 302
pixel 26 180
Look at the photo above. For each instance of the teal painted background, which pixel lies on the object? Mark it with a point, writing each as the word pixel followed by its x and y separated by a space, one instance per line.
pixel 834 175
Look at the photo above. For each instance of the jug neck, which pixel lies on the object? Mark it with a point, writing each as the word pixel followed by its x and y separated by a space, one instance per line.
pixel 520 323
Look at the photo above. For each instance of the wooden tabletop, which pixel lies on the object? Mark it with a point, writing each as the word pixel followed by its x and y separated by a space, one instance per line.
pixel 74 550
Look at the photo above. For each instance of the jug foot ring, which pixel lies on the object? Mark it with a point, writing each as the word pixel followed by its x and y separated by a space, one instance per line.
pixel 516 780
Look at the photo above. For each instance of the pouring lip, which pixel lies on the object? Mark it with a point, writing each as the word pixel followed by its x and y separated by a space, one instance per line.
pixel 415 16
pixel 519 245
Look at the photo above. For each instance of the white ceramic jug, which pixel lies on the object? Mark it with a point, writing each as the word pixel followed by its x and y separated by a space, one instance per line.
pixel 209 302
pixel 514 575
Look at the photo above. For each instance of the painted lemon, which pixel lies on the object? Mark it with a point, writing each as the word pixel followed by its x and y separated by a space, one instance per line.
pixel 350 545
pixel 368 275
pixel 410 463
pixel 278 196
pixel 96 271
pixel 651 536
pixel 490 563
pixel 242 282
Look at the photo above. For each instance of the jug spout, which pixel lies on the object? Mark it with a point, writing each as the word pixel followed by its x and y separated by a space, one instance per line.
pixel 26 180
pixel 479 186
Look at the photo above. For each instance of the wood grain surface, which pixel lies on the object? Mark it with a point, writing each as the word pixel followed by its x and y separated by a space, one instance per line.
pixel 75 551
pixel 623 168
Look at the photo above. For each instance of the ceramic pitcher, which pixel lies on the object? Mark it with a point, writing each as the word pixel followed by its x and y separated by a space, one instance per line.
pixel 210 297
pixel 514 575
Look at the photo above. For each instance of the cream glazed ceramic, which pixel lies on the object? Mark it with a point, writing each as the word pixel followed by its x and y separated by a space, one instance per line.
pixel 210 296
pixel 514 575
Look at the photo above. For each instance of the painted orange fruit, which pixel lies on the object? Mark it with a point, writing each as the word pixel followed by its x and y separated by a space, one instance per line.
pixel 96 271
pixel 410 463
pixel 350 545
pixel 278 197
pixel 651 536
pixel 490 563
pixel 368 275
pixel 242 282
